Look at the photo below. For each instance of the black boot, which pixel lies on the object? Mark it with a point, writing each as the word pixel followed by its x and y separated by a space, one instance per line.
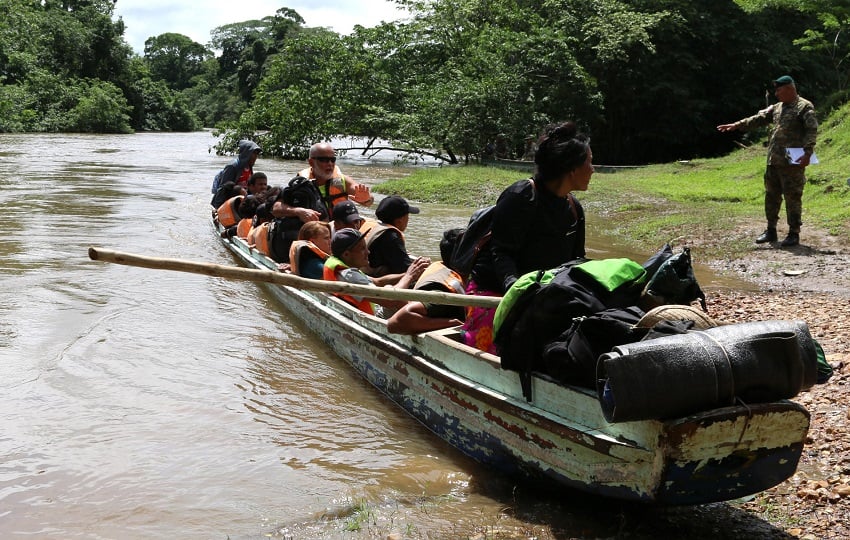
pixel 769 235
pixel 793 239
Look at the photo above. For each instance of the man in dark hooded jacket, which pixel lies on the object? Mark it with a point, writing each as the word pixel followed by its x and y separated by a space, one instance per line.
pixel 241 169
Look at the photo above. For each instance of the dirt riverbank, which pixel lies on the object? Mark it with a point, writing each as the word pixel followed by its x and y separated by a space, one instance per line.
pixel 809 282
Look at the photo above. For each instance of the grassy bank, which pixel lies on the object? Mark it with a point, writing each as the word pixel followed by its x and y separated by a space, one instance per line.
pixel 716 204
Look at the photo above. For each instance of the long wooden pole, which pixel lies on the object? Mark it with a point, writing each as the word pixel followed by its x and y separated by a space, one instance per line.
pixel 268 276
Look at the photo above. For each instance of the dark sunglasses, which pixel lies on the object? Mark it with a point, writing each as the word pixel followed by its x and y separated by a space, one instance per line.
pixel 325 159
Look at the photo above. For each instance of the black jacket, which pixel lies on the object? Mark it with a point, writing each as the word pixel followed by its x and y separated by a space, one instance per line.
pixel 532 230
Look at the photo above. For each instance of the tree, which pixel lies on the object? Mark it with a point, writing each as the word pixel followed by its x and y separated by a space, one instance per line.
pixel 827 37
pixel 212 100
pixel 832 41
pixel 79 38
pixel 246 45
pixel 54 59
pixel 297 100
pixel 159 108
pixel 450 80
pixel 102 108
pixel 175 59
pixel 18 52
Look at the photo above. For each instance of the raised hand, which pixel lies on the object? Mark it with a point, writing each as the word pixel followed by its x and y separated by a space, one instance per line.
pixel 362 195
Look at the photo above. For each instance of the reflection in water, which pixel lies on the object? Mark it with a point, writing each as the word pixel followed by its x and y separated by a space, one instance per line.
pixel 139 404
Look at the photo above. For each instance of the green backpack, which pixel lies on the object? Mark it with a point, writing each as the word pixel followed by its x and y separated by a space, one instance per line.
pixel 609 274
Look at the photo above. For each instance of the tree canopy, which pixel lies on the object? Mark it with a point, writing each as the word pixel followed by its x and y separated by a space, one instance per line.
pixel 647 79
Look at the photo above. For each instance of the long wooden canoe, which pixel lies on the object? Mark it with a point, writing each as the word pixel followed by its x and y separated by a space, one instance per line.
pixel 463 396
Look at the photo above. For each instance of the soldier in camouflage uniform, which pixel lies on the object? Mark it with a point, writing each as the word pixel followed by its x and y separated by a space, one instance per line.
pixel 794 126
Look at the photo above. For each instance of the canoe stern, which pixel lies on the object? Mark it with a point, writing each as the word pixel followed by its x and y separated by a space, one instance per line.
pixel 724 454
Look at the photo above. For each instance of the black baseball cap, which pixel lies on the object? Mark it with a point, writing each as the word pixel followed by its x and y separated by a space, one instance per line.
pixel 394 207
pixel 346 212
pixel 344 240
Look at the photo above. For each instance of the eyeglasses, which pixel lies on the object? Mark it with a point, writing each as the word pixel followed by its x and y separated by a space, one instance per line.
pixel 325 159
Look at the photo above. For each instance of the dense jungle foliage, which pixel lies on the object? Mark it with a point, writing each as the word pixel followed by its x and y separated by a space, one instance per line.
pixel 648 79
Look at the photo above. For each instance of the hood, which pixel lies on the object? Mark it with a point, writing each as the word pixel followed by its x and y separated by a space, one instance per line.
pixel 246 148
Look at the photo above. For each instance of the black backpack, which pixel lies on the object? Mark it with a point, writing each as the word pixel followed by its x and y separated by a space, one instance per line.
pixel 674 282
pixel 468 243
pixel 572 357
pixel 546 313
pixel 302 193
pixel 464 245
pixel 540 315
pixel 282 232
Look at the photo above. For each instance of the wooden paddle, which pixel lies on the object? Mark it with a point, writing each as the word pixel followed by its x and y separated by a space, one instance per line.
pixel 290 280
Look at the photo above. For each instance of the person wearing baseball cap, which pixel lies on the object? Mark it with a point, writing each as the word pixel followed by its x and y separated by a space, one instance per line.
pixel 795 127
pixel 349 254
pixel 346 216
pixel 393 208
pixel 387 251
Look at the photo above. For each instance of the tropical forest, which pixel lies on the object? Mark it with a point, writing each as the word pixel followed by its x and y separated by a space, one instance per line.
pixel 647 79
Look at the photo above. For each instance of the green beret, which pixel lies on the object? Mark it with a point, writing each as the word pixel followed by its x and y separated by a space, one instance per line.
pixel 783 80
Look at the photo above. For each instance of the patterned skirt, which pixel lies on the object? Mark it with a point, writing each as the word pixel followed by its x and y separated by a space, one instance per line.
pixel 477 329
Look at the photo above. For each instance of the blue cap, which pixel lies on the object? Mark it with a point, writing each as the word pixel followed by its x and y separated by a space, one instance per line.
pixel 782 81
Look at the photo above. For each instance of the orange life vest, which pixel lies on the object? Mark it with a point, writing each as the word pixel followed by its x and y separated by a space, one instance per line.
pixel 373 230
pixel 367 225
pixel 333 191
pixel 438 276
pixel 228 212
pixel 334 265
pixel 259 237
pixel 303 248
pixel 244 227
pixel 376 229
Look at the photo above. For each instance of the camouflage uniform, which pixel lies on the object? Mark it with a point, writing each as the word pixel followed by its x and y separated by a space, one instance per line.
pixel 794 126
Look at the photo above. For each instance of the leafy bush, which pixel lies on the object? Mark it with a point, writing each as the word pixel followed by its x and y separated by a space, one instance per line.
pixel 102 108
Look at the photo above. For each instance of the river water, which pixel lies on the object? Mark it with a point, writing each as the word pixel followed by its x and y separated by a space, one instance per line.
pixel 139 403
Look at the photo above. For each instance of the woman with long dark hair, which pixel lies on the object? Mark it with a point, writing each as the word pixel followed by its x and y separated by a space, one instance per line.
pixel 538 223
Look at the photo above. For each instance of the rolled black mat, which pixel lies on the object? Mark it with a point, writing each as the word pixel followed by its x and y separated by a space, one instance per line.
pixel 683 374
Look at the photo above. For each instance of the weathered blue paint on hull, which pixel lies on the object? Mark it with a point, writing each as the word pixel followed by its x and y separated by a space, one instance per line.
pixel 733 477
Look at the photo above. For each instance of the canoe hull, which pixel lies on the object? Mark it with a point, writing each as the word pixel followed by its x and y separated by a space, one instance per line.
pixel 464 397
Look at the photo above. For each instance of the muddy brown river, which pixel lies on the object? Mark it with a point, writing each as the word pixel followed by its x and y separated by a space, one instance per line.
pixel 138 403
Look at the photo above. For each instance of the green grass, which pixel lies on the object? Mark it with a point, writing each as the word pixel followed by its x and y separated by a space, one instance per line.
pixel 362 516
pixel 462 185
pixel 702 201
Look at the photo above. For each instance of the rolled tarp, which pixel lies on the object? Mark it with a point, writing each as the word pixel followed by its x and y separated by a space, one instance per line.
pixel 683 374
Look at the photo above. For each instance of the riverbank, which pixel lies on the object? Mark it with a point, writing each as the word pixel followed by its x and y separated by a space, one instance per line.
pixel 810 282
pixel 815 502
